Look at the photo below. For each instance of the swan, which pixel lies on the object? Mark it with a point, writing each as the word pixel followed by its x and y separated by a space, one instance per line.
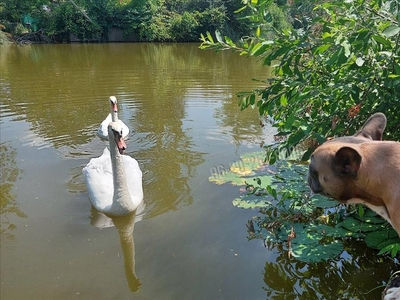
pixel 102 132
pixel 114 180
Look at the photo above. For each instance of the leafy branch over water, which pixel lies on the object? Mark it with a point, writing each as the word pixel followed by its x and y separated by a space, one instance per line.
pixel 313 227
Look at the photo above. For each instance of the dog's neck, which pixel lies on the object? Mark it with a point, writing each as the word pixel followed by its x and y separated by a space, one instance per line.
pixel 353 191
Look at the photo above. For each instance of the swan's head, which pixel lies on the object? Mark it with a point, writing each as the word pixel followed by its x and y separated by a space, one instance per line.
pixel 115 135
pixel 113 103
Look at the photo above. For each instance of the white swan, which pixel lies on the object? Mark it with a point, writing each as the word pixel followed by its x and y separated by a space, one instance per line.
pixel 102 132
pixel 114 181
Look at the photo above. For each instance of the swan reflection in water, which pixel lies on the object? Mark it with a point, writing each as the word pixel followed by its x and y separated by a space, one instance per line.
pixel 124 226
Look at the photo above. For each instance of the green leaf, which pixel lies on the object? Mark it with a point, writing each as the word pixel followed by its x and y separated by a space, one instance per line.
pixel 391 30
pixel 283 100
pixel 229 41
pixel 289 121
pixel 346 46
pixel 262 48
pixel 251 202
pixel 392 249
pixel 307 245
pixel 295 138
pixel 317 252
pixel 258 31
pixel 321 49
pixel 227 177
pixel 322 202
pixel 218 36
pixel 210 38
pixel 334 58
pixel 381 238
pixel 240 9
pixel 272 157
pixel 356 225
pixel 361 210
pixel 381 40
pixel 359 61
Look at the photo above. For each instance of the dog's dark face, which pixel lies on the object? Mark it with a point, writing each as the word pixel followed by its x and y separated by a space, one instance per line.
pixel 335 164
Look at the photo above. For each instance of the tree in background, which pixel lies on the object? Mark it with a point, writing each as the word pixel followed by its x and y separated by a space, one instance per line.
pixel 339 66
pixel 141 20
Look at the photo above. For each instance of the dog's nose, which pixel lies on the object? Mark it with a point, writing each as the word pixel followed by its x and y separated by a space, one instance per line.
pixel 317 189
pixel 314 184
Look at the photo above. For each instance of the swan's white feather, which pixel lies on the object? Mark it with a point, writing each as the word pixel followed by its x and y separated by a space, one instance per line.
pixel 102 132
pixel 99 180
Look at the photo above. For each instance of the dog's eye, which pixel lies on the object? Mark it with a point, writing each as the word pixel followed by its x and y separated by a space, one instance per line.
pixel 324 178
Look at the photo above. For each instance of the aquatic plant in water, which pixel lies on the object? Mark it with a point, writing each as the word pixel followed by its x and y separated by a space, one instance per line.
pixel 313 227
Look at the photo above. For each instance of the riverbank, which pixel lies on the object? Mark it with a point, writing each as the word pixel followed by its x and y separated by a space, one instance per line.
pixel 114 35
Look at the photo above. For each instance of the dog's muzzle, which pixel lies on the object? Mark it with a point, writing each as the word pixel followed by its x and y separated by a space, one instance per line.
pixel 314 184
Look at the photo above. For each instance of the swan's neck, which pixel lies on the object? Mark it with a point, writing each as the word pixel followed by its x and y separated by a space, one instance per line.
pixel 122 201
pixel 114 116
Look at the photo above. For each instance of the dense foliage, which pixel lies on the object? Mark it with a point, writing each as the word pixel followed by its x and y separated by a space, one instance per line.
pixel 340 65
pixel 140 20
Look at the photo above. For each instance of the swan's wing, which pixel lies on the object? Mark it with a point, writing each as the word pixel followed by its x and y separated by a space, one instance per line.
pixel 140 212
pixel 99 180
pixel 102 132
pixel 125 129
pixel 134 179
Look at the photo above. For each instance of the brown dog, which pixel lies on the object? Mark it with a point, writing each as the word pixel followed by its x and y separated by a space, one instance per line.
pixel 360 169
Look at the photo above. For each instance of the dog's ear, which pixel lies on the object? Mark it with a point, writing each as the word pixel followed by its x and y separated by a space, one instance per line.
pixel 346 161
pixel 373 128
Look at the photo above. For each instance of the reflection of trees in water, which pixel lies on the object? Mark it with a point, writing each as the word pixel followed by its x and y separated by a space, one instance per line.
pixel 169 157
pixel 173 74
pixel 345 278
pixel 8 204
pixel 53 90
pixel 242 129
pixel 62 90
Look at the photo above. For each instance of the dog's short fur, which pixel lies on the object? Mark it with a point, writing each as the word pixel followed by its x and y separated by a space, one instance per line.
pixel 360 169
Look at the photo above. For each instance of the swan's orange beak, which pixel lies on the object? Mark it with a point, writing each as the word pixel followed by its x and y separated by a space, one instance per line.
pixel 115 107
pixel 121 145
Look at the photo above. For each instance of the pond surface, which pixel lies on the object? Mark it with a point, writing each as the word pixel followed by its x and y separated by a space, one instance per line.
pixel 189 242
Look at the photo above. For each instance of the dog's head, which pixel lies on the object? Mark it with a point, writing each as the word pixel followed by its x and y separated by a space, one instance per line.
pixel 335 164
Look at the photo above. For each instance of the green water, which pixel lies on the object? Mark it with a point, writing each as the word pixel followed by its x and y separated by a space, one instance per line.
pixel 189 242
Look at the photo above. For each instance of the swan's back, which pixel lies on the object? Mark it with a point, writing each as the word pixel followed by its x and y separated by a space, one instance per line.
pixel 99 180
pixel 102 131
